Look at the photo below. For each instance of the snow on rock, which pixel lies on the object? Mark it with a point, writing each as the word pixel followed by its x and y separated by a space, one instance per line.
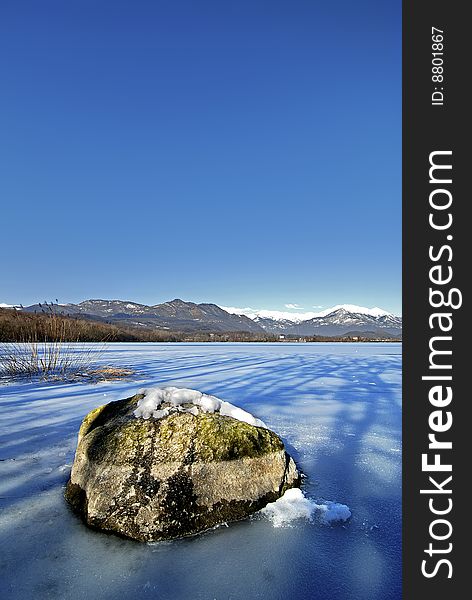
pixel 153 480
pixel 160 402
pixel 293 505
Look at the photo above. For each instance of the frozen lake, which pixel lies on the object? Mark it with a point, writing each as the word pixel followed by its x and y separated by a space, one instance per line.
pixel 338 409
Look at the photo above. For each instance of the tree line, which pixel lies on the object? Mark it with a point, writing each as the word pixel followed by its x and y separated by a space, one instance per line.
pixel 49 326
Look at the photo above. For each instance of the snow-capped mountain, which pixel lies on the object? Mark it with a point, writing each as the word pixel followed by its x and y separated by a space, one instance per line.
pixel 178 315
pixel 342 321
pixel 353 309
pixel 274 325
pixel 337 320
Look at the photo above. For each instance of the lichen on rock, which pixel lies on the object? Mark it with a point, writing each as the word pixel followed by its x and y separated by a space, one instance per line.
pixel 161 478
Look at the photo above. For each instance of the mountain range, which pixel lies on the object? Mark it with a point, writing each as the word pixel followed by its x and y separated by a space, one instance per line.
pixel 179 315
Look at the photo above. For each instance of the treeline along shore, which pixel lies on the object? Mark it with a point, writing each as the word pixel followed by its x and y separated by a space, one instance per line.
pixel 18 326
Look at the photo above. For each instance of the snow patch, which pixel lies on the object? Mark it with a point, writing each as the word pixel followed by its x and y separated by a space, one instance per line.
pixel 294 505
pixel 190 401
pixel 333 512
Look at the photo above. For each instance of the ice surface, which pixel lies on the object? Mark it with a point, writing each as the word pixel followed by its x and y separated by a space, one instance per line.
pixel 185 400
pixel 294 505
pixel 344 434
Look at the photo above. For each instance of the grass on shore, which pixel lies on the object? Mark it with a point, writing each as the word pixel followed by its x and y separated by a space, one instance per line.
pixel 51 346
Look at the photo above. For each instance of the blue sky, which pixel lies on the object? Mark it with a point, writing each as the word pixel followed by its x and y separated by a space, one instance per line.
pixel 246 153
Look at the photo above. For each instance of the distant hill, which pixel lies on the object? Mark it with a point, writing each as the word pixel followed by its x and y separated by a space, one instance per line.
pixel 188 317
pixel 175 315
pixel 23 326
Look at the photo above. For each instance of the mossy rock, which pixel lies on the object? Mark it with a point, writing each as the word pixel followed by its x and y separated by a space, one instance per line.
pixel 178 475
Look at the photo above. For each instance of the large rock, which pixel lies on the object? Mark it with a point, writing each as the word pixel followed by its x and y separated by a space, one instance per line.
pixel 161 478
